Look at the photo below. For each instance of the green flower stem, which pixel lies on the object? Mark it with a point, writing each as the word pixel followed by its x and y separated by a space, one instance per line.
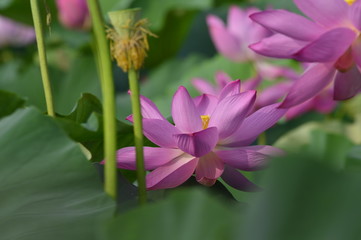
pixel 107 85
pixel 138 134
pixel 42 56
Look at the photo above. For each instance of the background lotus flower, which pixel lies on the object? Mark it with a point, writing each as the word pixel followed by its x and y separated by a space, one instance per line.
pixel 331 41
pixel 15 34
pixel 74 14
pixel 322 102
pixel 232 41
pixel 210 138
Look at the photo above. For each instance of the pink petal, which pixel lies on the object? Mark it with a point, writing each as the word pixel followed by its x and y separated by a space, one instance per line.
pixel 254 31
pixel 149 109
pixel 209 167
pixel 231 111
pixel 324 102
pixel 356 51
pixel 232 88
pixel 237 180
pixel 248 158
pixel 271 71
pixel 347 84
pixel 278 46
pixel 254 125
pixel 328 13
pixel 355 14
pixel 153 157
pixel 237 22
pixel 251 84
pixel 199 143
pixel 300 109
pixel 226 43
pixel 160 132
pixel 222 79
pixel 328 47
pixel 284 22
pixel 206 104
pixel 185 114
pixel 172 174
pixel 273 94
pixel 203 86
pixel 313 80
pixel 73 14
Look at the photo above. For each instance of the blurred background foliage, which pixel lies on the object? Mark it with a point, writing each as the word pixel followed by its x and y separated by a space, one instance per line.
pixel 46 180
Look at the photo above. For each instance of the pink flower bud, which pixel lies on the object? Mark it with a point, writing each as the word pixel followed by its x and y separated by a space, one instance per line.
pixel 74 14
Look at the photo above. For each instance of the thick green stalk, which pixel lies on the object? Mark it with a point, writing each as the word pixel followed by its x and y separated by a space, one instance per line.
pixel 107 85
pixel 138 134
pixel 42 56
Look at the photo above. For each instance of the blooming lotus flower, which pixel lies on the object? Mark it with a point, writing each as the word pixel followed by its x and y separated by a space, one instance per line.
pixel 232 41
pixel 322 102
pixel 330 40
pixel 210 138
pixel 74 14
pixel 15 34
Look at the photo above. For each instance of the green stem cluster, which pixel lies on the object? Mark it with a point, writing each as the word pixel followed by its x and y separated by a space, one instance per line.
pixel 42 56
pixel 107 85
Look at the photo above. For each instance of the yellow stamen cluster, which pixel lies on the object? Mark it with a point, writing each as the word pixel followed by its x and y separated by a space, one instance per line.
pixel 350 2
pixel 129 43
pixel 205 120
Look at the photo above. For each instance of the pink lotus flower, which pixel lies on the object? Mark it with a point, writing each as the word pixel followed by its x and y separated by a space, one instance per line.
pixel 331 42
pixel 322 102
pixel 210 138
pixel 74 14
pixel 232 41
pixel 15 34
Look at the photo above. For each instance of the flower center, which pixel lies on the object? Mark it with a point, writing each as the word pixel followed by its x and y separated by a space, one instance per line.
pixel 205 120
pixel 350 2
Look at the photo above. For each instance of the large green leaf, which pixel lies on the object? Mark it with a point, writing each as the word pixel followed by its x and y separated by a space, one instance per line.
pixel 48 189
pixel 9 102
pixel 184 215
pixel 306 199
